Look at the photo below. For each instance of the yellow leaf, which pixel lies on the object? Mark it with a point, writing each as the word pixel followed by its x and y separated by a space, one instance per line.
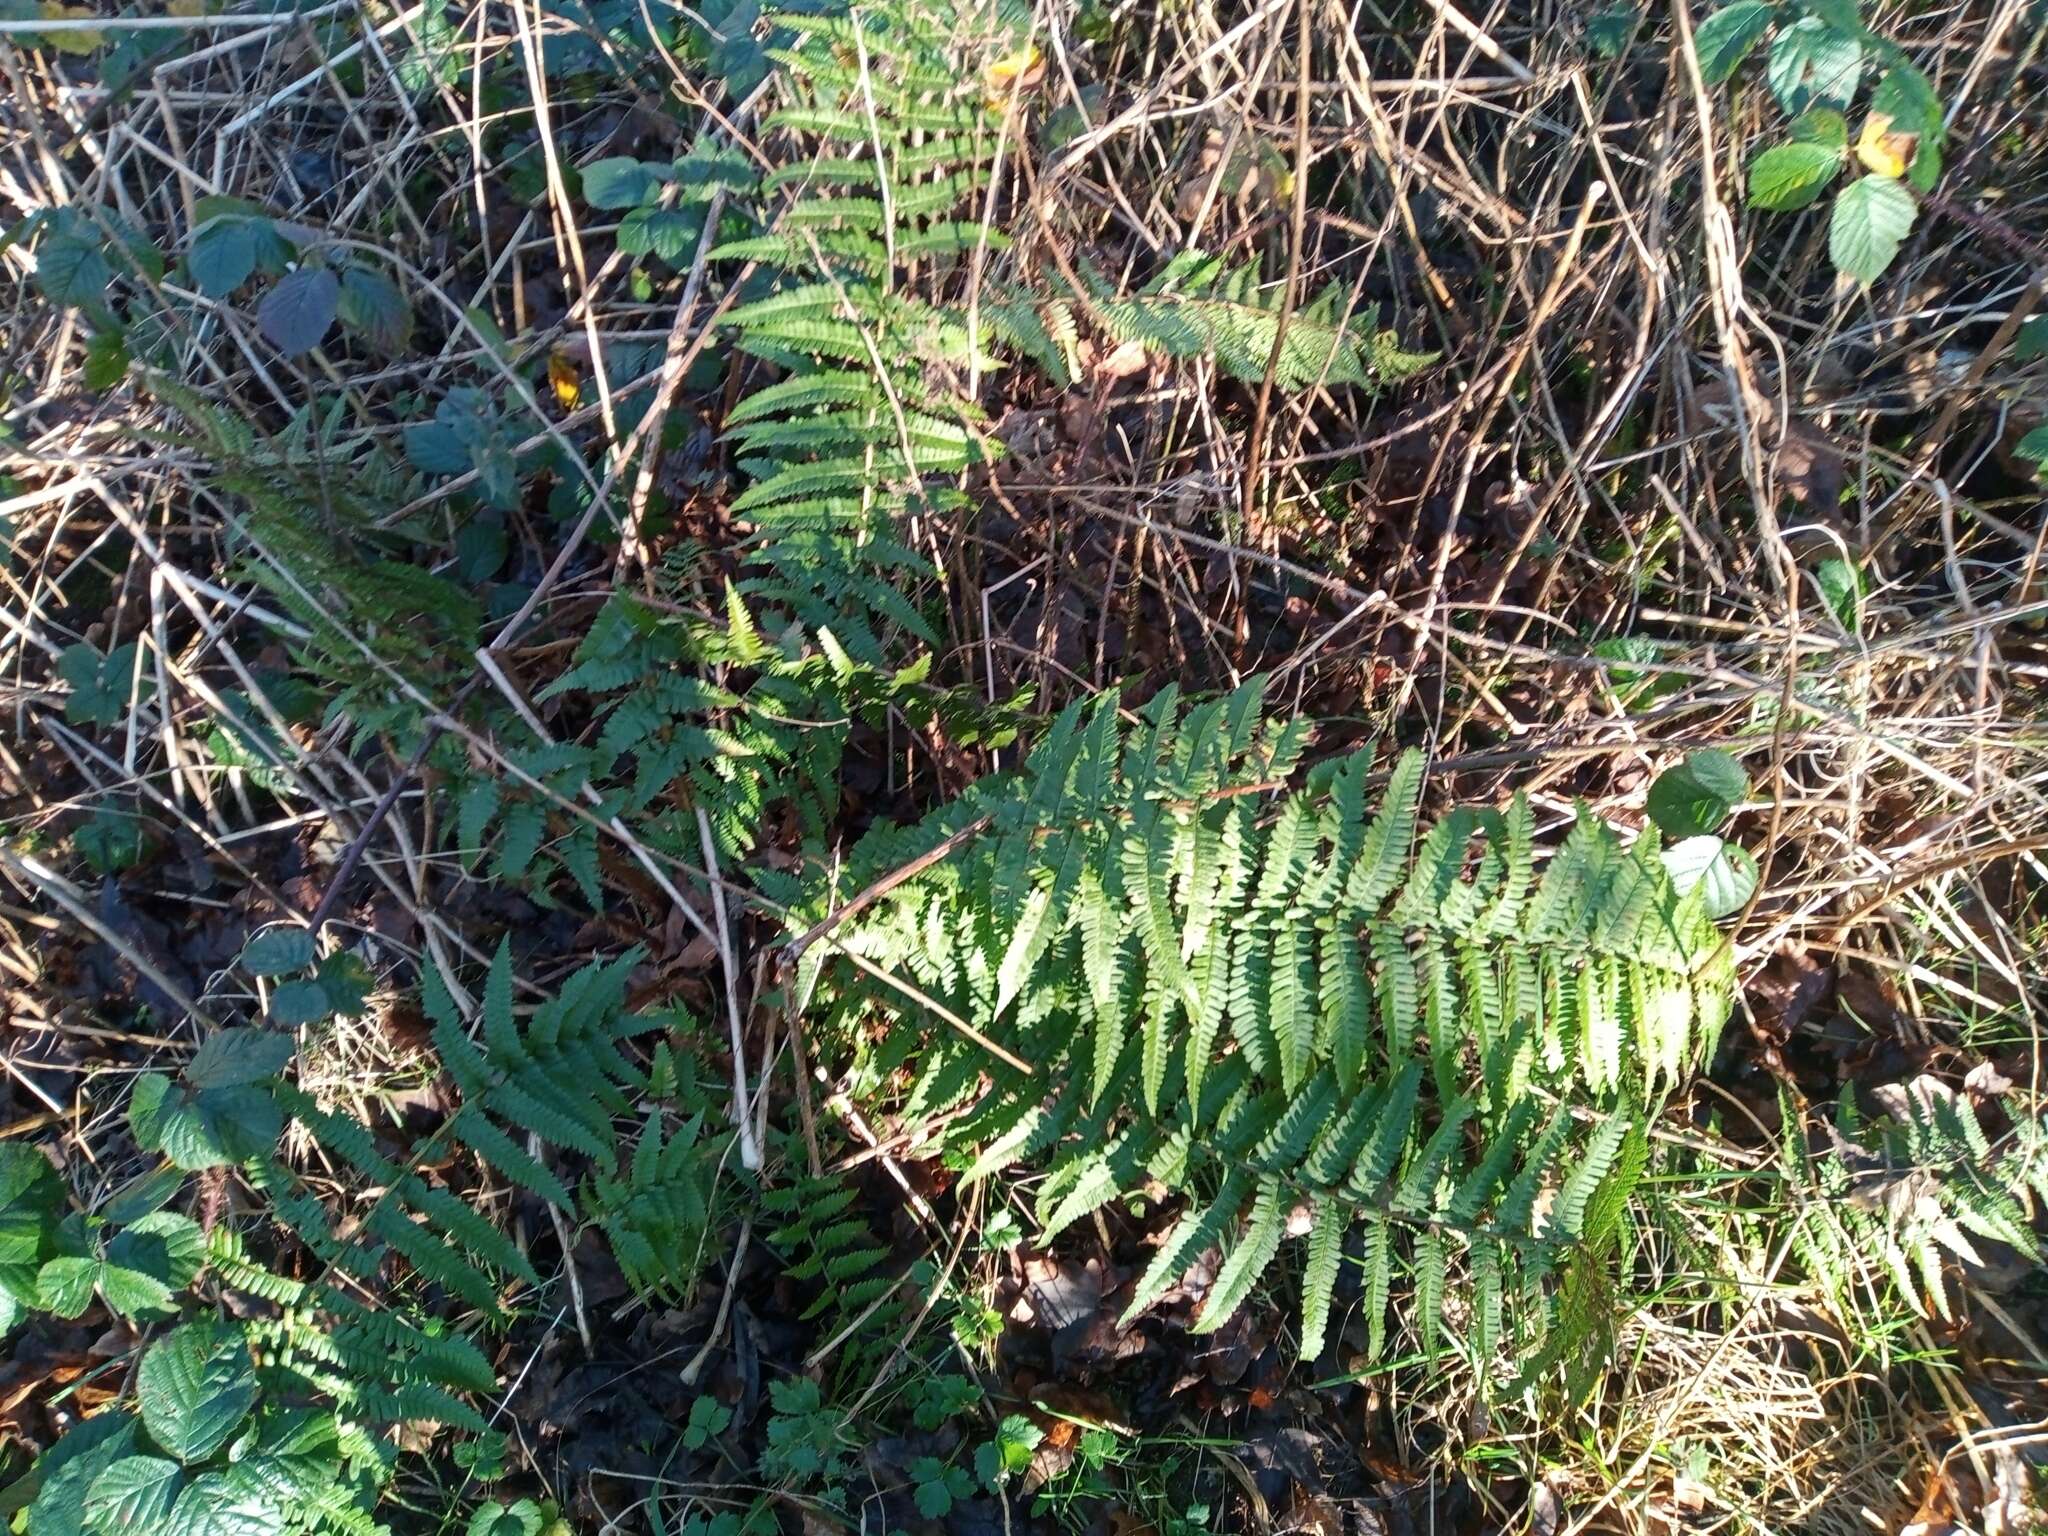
pixel 81 41
pixel 1018 72
pixel 185 8
pixel 1276 174
pixel 1883 152
pixel 567 382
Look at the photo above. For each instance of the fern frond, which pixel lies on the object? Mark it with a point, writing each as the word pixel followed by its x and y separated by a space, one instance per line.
pixel 1222 966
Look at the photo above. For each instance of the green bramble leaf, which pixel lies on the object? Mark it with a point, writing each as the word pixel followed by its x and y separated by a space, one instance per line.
pixel 278 951
pixel 99 685
pixel 670 233
pixel 1697 795
pixel 199 1129
pixel 230 1503
pixel 149 1262
pixel 65 1284
pixel 232 1057
pixel 196 1386
pixel 1788 176
pixel 111 841
pixel 1822 125
pixel 297 312
pixel 1872 218
pixel 106 360
pixel 375 308
pixel 64 1474
pixel 231 241
pixel 339 988
pixel 1608 29
pixel 31 1201
pixel 1910 100
pixel 1841 587
pixel 1723 40
pixel 2034 446
pixel 73 269
pixel 1813 63
pixel 495 1519
pixel 133 1493
pixel 620 181
pixel 1725 873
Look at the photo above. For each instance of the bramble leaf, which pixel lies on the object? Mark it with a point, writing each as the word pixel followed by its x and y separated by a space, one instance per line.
pixel 1788 176
pixel 195 1387
pixel 1725 38
pixel 1872 217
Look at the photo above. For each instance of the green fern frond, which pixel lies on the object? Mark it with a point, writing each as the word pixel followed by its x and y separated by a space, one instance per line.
pixel 1375 1048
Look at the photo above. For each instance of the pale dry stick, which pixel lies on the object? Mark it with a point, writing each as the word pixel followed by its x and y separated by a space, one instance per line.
pixel 244 609
pixel 1747 685
pixel 885 170
pixel 933 1005
pixel 1140 111
pixel 1604 423
pixel 977 259
pixel 186 779
pixel 1481 39
pixel 1709 557
pixel 436 716
pixel 1490 405
pixel 618 257
pixel 1226 152
pixel 694 1367
pixel 843 1106
pixel 1298 661
pixel 988 655
pixel 614 827
pixel 56 1110
pixel 303 766
pixel 387 157
pixel 473 129
pixel 742 1102
pixel 60 24
pixel 535 1150
pixel 60 891
pixel 667 380
pixel 850 313
pixel 969 1222
pixel 550 430
pixel 1078 104
pixel 565 217
pixel 657 413
pixel 771 1052
pixel 488 661
pixel 1760 1295
pixel 77 748
pixel 1290 293
pixel 1920 468
pixel 296 87
pixel 1724 275
pixel 882 886
pixel 416 129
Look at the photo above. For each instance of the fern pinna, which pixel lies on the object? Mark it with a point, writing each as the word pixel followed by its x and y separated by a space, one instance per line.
pixel 1887 1204
pixel 1290 1010
pixel 365 1319
pixel 890 140
pixel 1200 306
pixel 555 1082
pixel 892 300
pixel 825 1239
